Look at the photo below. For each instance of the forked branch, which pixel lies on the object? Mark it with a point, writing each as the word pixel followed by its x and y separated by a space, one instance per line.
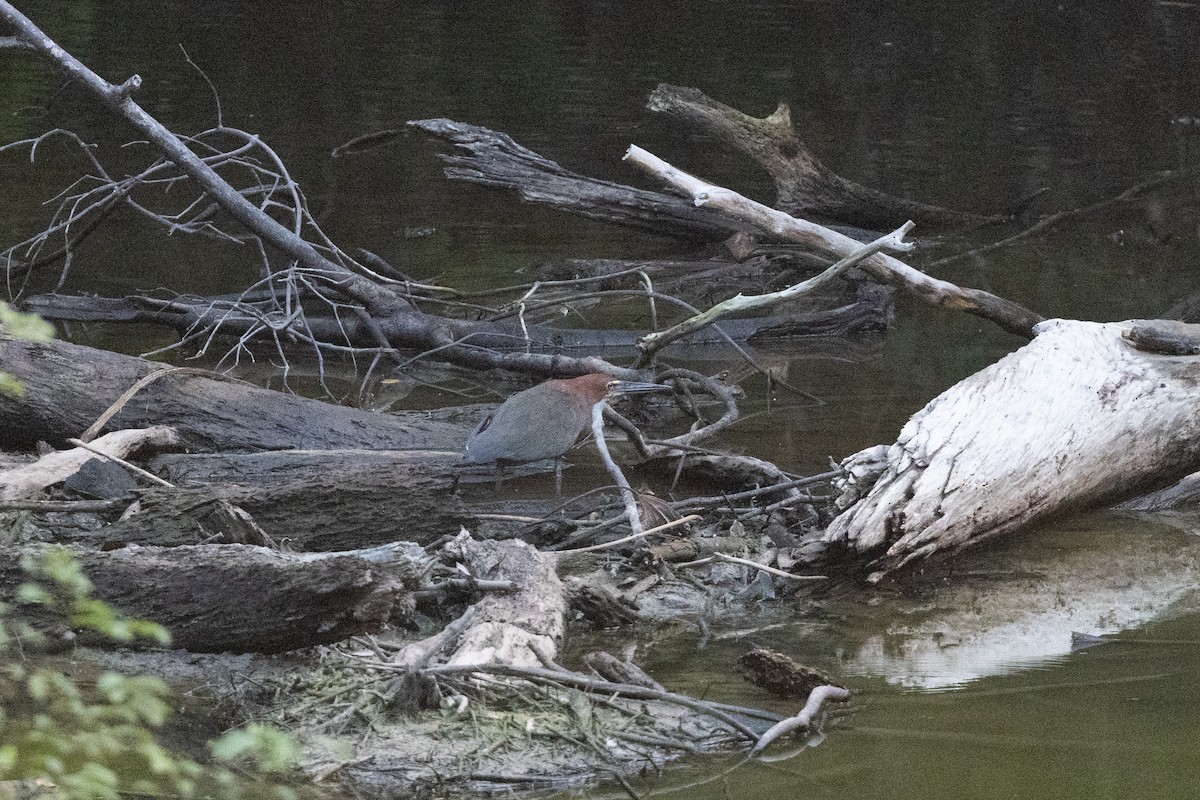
pixel 1011 316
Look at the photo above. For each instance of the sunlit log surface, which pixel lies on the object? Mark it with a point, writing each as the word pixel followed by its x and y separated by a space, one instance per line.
pixel 1076 417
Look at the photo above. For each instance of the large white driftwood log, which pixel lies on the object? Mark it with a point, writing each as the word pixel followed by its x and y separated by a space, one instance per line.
pixel 1076 417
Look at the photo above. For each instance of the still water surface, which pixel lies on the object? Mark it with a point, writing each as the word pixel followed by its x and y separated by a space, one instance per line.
pixel 965 687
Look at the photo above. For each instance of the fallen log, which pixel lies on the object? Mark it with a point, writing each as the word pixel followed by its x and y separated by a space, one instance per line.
pixel 241 598
pixel 316 501
pixel 859 306
pixel 881 267
pixel 489 158
pixel 1076 417
pixel 67 388
pixel 805 187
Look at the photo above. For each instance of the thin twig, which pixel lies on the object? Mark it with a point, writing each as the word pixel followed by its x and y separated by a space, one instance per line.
pixel 589 684
pixel 764 568
pixel 141 384
pixel 658 529
pixel 653 342
pixel 1051 221
pixel 150 476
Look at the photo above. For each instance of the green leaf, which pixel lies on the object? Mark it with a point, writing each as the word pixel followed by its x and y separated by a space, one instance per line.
pixel 101 743
pixel 25 326
pixel 34 594
pixel 145 629
pixel 8 760
pixel 38 686
pixel 60 566
pixel 10 385
pixel 273 750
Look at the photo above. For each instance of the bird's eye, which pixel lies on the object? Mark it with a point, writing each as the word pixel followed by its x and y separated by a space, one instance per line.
pixel 483 426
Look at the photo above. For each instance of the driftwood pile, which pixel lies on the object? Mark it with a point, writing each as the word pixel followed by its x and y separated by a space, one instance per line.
pixel 267 523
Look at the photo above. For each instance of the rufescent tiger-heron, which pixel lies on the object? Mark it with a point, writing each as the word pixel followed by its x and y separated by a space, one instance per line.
pixel 544 421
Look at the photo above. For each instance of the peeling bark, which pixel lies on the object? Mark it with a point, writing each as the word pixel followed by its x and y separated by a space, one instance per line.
pixel 494 159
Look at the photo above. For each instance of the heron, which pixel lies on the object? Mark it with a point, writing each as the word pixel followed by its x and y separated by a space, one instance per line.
pixel 544 421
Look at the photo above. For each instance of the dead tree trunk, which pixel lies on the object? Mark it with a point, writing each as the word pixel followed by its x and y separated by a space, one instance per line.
pixel 1074 418
pixel 805 187
pixel 501 628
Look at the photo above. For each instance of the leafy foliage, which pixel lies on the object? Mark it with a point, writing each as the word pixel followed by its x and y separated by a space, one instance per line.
pixel 101 743
pixel 22 326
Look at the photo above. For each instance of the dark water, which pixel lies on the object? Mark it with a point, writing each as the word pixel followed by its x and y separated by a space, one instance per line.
pixel 969 104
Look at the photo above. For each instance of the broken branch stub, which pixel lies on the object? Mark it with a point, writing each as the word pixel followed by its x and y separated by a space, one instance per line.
pixel 493 159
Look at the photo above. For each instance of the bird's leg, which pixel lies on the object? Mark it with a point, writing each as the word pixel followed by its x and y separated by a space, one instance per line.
pixel 558 470
pixel 499 475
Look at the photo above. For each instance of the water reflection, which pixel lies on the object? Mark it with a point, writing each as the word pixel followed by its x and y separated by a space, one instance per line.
pixel 1020 606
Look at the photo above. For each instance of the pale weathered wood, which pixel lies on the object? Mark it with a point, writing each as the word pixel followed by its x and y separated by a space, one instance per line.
pixel 505 627
pixel 56 467
pixel 501 628
pixel 881 267
pixel 1074 418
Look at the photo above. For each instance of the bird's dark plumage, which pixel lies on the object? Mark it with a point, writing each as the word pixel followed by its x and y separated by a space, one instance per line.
pixel 539 422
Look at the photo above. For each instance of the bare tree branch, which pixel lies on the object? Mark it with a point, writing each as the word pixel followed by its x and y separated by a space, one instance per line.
pixel 1011 316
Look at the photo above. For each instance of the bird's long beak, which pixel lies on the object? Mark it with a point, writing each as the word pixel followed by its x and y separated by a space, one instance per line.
pixel 635 387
